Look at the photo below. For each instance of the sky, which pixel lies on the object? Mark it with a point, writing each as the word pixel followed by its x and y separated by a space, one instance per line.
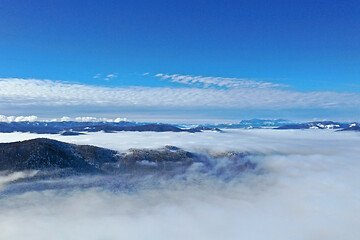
pixel 181 60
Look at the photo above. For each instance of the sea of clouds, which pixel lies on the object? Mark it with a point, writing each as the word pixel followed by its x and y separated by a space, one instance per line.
pixel 306 186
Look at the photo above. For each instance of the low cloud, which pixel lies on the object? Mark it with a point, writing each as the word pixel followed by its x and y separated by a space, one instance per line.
pixel 10 119
pixel 308 188
pixel 18 118
pixel 95 119
pixel 87 119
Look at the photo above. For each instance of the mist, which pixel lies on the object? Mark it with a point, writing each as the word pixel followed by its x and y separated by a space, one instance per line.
pixel 306 185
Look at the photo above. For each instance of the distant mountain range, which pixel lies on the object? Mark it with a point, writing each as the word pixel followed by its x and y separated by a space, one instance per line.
pixel 284 124
pixel 352 127
pixel 252 123
pixel 70 128
pixel 323 125
pixel 77 128
pixel 53 127
pixel 316 125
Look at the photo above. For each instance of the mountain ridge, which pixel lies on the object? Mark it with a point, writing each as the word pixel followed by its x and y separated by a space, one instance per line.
pixel 47 154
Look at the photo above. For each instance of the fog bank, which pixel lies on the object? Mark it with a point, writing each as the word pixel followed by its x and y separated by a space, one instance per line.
pixel 306 186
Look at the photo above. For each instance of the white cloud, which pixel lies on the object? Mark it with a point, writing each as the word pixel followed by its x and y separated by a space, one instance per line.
pixel 111 75
pixel 308 188
pixel 18 118
pixel 97 75
pixel 34 92
pixel 108 77
pixel 10 119
pixel 96 119
pixel 4 179
pixel 217 81
pixel 64 119
pixel 120 119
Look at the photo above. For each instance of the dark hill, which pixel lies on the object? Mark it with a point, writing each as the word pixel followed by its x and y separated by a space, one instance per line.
pixel 58 159
pixel 42 153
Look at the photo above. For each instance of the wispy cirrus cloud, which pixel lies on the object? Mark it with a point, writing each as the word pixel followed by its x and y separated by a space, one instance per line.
pixel 107 77
pixel 98 75
pixel 110 76
pixel 217 81
pixel 35 92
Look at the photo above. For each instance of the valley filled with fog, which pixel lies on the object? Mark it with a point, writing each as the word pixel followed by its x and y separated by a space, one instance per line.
pixel 302 184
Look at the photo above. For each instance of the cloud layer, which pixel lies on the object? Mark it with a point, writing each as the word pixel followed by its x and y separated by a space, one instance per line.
pixel 308 188
pixel 34 92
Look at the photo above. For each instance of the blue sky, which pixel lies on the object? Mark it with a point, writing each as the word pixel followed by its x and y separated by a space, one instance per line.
pixel 304 49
